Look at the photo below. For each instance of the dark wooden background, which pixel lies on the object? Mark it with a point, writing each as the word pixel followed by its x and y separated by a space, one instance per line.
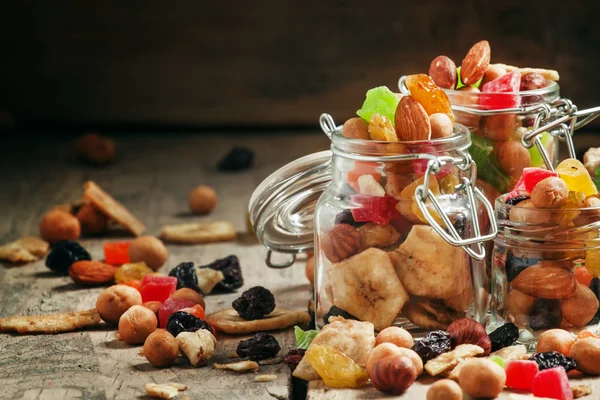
pixel 264 63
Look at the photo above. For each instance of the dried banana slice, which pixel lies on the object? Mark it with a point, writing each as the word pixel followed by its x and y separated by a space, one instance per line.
pixel 366 286
pixel 240 366
pixel 229 321
pixel 164 390
pixel 51 323
pixel 447 361
pixel 546 73
pixel 199 232
pixel 418 316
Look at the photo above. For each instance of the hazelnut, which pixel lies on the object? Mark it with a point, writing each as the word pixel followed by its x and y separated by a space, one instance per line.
pixel 416 359
pixel 136 324
pixel 445 389
pixel 499 127
pixel 589 216
pixel 555 340
pixel 525 212
pixel 493 72
pixel 59 225
pixel 441 126
pixel 92 221
pixel 161 349
pixel 356 128
pixel 396 335
pixel 153 306
pixel 586 353
pixel 341 242
pixel 380 352
pixel 551 192
pixel 202 200
pixel 310 270
pixel 519 305
pixel 467 96
pixel 393 375
pixel 480 377
pixel 512 157
pixel 580 308
pixel 115 300
pixel 149 250
pixel 95 148
pixel 189 295
pixel 469 331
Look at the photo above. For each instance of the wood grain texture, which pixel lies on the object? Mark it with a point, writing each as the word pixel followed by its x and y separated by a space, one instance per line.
pixel 264 63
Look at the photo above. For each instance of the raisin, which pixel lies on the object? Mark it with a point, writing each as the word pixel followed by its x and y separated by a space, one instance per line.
pixel 513 201
pixel 293 358
pixel 337 312
pixel 545 314
pixel 254 303
pixel 515 265
pixel 432 345
pixel 181 321
pixel 504 336
pixel 230 267
pixel 553 359
pixel 63 254
pixel 238 159
pixel 259 347
pixel 186 276
pixel 345 217
pixel 528 121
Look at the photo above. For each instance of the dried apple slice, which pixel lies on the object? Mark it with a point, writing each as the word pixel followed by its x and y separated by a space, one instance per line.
pixel 52 323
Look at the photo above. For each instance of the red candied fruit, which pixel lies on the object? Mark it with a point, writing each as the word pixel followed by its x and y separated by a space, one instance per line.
pixel 362 168
pixel 552 383
pixel 520 374
pixel 531 177
pixel 157 288
pixel 197 310
pixel 169 307
pixel 378 209
pixel 116 253
pixel 499 89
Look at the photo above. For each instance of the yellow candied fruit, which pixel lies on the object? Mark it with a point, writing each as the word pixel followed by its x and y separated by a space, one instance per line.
pixel 592 262
pixel 134 271
pixel 381 128
pixel 576 177
pixel 575 201
pixel 335 368
pixel 429 95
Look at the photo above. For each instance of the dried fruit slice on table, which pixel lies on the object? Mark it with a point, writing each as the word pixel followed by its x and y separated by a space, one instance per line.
pixel 199 232
pixel 229 321
pixel 335 368
pixel 24 250
pixel 51 323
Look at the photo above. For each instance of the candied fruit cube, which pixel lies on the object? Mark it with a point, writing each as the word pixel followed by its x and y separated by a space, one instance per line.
pixel 134 283
pixel 552 383
pixel 499 89
pixel 433 99
pixel 157 288
pixel 380 100
pixel 169 307
pixel 132 271
pixel 362 168
pixel 380 210
pixel 530 177
pixel 335 368
pixel 520 374
pixel 116 253
pixel 576 177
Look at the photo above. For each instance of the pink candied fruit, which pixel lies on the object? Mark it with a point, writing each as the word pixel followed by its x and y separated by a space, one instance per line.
pixel 157 288
pixel 531 177
pixel 520 374
pixel 169 307
pixel 377 209
pixel 499 90
pixel 552 383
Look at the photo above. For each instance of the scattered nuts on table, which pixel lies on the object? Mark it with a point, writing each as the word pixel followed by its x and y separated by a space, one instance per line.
pixel 189 295
pixel 161 349
pixel 198 346
pixel 92 272
pixel 95 148
pixel 59 225
pixel 202 200
pixel 115 300
pixel 149 250
pixel 395 335
pixel 393 374
pixel 92 221
pixel 469 331
pixel 586 353
pixel 480 377
pixel 555 340
pixel 444 389
pixel 136 324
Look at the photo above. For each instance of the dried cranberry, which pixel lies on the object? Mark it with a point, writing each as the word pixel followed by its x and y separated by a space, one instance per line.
pixel 230 267
pixel 63 254
pixel 293 358
pixel 432 345
pixel 181 321
pixel 254 303
pixel 259 347
pixel 504 336
pixel 553 359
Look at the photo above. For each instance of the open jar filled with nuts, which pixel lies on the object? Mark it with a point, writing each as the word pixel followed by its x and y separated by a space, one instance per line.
pixel 398 228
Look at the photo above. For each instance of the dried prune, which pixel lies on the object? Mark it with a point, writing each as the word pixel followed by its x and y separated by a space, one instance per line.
pixel 515 265
pixel 337 312
pixel 552 359
pixel 181 321
pixel 186 276
pixel 595 287
pixel 545 314
pixel 63 254
pixel 432 345
pixel 238 159
pixel 254 303
pixel 259 347
pixel 230 267
pixel 345 217
pixel 504 336
pixel 513 201
pixel 293 358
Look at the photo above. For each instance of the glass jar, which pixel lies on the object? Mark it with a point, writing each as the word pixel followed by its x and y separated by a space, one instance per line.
pixel 398 229
pixel 545 269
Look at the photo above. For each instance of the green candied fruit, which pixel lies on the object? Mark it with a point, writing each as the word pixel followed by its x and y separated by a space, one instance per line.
pixel 481 151
pixel 534 152
pixel 380 100
pixel 498 360
pixel 459 83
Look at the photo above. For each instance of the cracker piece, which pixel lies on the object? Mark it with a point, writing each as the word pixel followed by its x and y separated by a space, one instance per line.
pixel 581 390
pixel 265 378
pixel 112 208
pixel 51 323
pixel 199 232
pixel 24 250
pixel 229 321
pixel 449 360
pixel 239 366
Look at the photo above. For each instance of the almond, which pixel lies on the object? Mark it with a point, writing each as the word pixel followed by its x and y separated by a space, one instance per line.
pixel 92 272
pixel 546 281
pixel 475 64
pixel 412 121
pixel 443 72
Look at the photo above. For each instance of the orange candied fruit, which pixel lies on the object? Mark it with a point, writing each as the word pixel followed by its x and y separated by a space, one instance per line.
pixel 134 283
pixel 116 253
pixel 429 95
pixel 583 276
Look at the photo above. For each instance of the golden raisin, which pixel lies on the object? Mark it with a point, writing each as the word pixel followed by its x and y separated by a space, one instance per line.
pixel 381 128
pixel 432 98
pixel 335 368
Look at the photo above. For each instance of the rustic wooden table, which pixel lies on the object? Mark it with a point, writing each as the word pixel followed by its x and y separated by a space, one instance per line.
pixel 152 176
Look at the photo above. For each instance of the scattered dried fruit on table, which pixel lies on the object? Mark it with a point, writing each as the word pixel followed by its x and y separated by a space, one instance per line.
pixel 95 148
pixel 516 352
pixel 51 323
pixel 196 310
pixel 553 359
pixel 91 220
pixel 395 335
pixel 208 278
pixel 157 288
pixel 169 307
pixel 117 253
pixel 181 321
pixel 240 366
pixel 189 295
pixel 447 361
pixel 59 225
pixel 293 358
pixel 115 300
pixel 229 321
pixel 412 121
pixel 480 377
pixel 504 336
pixel 202 200
pixel 271 361
pixel 443 72
pixel 520 374
pixel 198 346
pixel 112 208
pixel 433 344
pixel 469 331
pixel 199 232
pixel 232 272
pixel 581 390
pixel 546 281
pixel 393 375
pixel 356 128
pixel 92 272
pixel 555 340
pixel 552 383
pixel 149 250
pixel 254 303
pixel 586 353
pixel 239 158
pixel 340 242
pixel 161 349
pixel 24 250
pixel 475 63
pixel 444 389
pixel 334 367
pixel 265 378
pixel 259 347
pixel 136 324
pixel 132 271
pixel 164 390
